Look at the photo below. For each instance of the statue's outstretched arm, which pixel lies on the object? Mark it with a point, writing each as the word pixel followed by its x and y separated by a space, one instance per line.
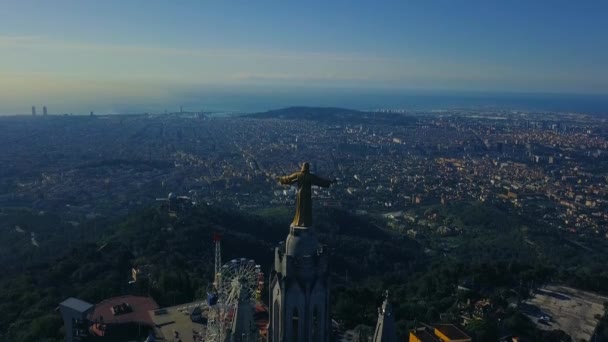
pixel 285 180
pixel 322 182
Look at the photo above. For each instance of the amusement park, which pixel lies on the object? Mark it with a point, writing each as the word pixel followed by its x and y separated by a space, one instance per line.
pixel 232 312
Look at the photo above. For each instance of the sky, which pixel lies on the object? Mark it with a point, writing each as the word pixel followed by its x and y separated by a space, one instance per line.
pixel 81 55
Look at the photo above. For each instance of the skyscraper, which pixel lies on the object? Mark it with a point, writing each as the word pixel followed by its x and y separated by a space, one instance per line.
pixel 33 110
pixel 44 111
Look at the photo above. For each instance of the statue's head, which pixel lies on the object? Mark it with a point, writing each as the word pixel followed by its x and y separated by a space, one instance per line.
pixel 306 167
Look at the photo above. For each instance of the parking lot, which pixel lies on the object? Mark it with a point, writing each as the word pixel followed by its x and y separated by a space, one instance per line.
pixel 559 307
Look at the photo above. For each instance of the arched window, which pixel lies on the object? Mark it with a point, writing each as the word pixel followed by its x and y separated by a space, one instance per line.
pixel 315 324
pixel 295 325
pixel 276 322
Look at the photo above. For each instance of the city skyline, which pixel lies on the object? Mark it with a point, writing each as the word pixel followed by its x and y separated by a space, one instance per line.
pixel 82 56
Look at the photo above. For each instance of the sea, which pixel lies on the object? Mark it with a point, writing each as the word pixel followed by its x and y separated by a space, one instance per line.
pixel 227 102
pixel 413 101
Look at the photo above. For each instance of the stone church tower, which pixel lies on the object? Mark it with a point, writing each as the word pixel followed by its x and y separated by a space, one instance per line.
pixel 385 328
pixel 299 290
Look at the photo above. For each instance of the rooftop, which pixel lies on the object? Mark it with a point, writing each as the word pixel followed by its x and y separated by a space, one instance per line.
pixel 139 310
pixel 452 332
pixel 424 336
pixel 77 305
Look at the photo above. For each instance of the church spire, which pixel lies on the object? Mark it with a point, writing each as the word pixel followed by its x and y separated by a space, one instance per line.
pixel 385 328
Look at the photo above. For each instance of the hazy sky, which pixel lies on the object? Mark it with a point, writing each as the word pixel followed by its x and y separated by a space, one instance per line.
pixel 79 55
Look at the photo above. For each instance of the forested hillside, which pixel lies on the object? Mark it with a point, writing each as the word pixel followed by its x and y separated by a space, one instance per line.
pixel 498 256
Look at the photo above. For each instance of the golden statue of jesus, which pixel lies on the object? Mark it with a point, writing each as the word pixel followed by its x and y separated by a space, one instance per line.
pixel 305 180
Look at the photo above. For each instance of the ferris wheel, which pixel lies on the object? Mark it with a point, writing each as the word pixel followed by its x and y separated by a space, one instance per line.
pixel 239 278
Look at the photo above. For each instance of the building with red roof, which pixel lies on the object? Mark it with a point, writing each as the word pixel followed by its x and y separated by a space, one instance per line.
pixel 122 317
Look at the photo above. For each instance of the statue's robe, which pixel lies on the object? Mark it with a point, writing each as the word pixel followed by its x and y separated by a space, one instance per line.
pixel 305 180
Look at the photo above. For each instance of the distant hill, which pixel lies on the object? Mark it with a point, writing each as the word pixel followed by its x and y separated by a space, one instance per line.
pixel 309 113
pixel 331 115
